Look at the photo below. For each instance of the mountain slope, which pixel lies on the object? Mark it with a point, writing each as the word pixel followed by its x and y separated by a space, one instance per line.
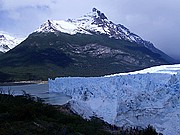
pixel 44 55
pixel 89 46
pixel 8 42
pixel 97 22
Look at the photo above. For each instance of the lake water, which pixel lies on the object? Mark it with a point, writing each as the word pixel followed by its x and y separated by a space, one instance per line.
pixel 40 90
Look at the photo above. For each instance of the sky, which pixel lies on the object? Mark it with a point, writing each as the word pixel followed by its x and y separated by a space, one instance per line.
pixel 157 21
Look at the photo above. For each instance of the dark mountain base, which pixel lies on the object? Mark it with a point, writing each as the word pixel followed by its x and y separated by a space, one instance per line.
pixel 43 73
pixel 49 55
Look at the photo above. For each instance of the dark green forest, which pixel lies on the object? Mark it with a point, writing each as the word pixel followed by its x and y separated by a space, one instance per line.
pixel 27 115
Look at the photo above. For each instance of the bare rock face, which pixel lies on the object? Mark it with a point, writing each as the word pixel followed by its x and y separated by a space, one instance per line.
pixel 96 22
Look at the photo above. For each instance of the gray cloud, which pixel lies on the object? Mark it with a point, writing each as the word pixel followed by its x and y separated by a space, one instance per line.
pixel 156 21
pixel 11 4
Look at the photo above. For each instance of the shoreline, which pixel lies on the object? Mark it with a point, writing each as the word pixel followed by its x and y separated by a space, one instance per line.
pixel 22 83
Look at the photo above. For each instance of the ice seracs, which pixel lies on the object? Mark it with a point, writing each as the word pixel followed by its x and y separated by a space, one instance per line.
pixel 8 42
pixel 150 96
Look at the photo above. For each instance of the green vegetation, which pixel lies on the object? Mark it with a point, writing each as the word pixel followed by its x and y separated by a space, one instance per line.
pixel 26 115
pixel 48 55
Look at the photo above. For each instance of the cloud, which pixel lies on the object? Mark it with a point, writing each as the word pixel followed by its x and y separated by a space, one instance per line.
pixel 156 21
pixel 22 17
pixel 17 9
pixel 13 5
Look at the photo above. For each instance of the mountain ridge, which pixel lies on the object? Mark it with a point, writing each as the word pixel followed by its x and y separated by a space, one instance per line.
pixel 97 22
pixel 79 48
pixel 8 42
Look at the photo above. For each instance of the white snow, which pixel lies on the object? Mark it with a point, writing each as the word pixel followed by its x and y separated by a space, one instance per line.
pixel 169 69
pixel 93 23
pixel 71 27
pixel 8 42
pixel 88 24
pixel 150 96
pixel 61 25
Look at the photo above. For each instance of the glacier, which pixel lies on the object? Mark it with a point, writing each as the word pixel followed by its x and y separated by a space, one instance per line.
pixel 150 96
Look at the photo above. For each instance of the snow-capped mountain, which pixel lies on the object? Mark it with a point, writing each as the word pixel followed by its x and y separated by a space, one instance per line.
pixel 88 46
pixel 96 22
pixel 8 42
pixel 93 22
pixel 150 96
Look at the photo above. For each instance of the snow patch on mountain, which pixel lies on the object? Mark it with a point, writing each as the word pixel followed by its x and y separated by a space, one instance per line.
pixel 96 22
pixel 150 96
pixel 8 42
pixel 62 26
pixel 91 23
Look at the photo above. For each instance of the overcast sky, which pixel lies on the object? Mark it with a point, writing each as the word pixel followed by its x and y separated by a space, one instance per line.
pixel 157 21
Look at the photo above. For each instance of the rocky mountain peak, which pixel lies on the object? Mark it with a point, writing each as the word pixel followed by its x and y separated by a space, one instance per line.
pixel 2 37
pixel 98 14
pixel 48 26
pixel 92 22
pixel 96 22
pixel 8 42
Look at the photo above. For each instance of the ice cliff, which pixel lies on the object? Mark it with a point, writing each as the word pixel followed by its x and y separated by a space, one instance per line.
pixel 150 96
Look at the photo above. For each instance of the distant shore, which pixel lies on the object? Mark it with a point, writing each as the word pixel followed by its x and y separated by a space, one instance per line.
pixel 22 83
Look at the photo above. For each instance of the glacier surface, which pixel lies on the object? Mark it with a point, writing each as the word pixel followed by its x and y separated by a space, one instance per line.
pixel 150 96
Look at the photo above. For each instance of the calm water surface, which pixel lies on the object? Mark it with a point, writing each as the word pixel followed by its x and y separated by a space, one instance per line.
pixel 40 90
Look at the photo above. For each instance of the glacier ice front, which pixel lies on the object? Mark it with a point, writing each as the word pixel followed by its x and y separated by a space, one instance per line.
pixel 150 96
